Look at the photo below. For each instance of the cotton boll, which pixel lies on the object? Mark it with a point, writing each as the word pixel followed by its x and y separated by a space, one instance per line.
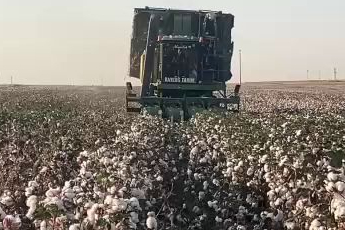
pixel 250 171
pixel 79 200
pixel 205 185
pixel 330 186
pixel 33 184
pixel 74 227
pixel 83 184
pixel 69 195
pixel 298 133
pixel 272 204
pixel 283 161
pixel 113 190
pixel 290 225
pixel 134 217
pixel 238 169
pixel 77 189
pixel 134 203
pixel 215 182
pixel 263 215
pixel 267 177
pixel 196 209
pixel 279 217
pixel 332 176
pixel 315 224
pixel 201 195
pixel 278 202
pixel 339 212
pixel 340 186
pixel 291 184
pixel 242 210
pixel 31 201
pixel 189 172
pixel 119 205
pixel 229 164
pixel 138 193
pixel 91 215
pixel 264 159
pixel 43 225
pixel 319 163
pixel 297 164
pixel 28 191
pixel 108 200
pixel 151 222
pixel 250 158
pixel 52 192
pixel 271 195
pixel 218 219
pixel 88 205
pixel 55 201
pixel 300 204
pixel 196 176
pixel 67 185
pixel 284 125
pixel 7 200
pixel 118 132
pixel 194 151
pixel 203 160
pixel 241 227
pixel 43 170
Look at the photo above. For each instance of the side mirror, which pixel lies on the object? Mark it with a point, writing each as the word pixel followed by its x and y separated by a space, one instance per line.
pixel 129 89
pixel 129 86
pixel 237 89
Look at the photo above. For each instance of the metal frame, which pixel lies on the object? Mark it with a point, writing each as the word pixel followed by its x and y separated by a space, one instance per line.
pixel 184 104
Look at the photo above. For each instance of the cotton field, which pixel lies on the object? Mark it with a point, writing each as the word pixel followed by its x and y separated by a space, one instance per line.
pixel 71 158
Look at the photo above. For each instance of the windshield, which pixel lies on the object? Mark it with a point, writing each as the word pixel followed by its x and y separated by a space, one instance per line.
pixel 180 63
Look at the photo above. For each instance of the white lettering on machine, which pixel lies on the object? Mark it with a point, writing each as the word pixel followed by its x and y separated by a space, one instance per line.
pixel 178 80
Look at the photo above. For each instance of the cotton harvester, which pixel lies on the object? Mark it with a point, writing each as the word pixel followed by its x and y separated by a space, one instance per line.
pixel 183 59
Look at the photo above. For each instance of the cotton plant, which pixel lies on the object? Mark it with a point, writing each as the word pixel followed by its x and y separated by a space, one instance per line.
pixel 269 167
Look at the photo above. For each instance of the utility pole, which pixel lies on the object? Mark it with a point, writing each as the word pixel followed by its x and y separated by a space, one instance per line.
pixel 335 74
pixel 319 74
pixel 240 67
pixel 307 74
pixel 11 80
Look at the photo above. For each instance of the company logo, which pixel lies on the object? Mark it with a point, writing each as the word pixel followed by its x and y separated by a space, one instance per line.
pixel 180 80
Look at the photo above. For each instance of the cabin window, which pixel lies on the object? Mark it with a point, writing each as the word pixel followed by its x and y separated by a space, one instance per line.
pixel 182 24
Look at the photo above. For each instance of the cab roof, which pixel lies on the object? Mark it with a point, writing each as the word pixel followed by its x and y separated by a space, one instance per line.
pixel 153 9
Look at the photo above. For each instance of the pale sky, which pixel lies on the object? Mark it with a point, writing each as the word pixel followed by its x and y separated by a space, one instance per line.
pixel 87 41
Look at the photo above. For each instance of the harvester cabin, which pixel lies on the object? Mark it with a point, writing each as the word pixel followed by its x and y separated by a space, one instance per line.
pixel 204 47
